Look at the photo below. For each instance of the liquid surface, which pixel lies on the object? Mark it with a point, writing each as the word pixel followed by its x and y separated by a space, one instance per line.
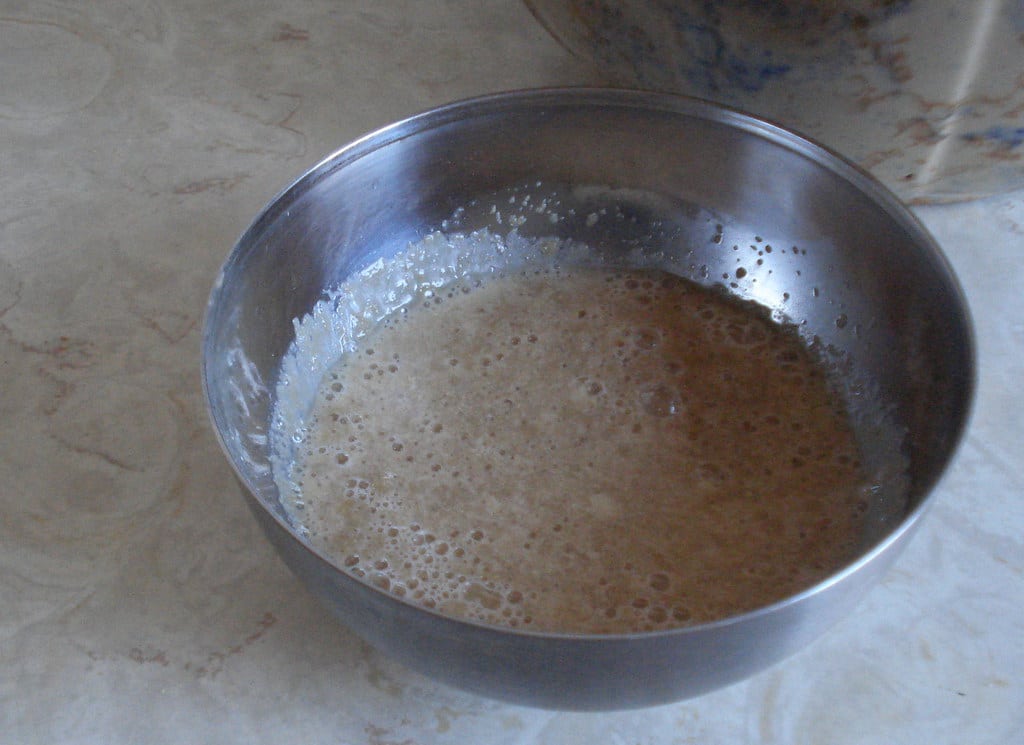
pixel 581 451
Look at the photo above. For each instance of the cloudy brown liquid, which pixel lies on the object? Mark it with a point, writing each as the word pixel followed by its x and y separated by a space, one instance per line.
pixel 584 451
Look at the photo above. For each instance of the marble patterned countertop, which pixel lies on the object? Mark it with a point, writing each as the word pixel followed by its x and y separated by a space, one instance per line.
pixel 139 602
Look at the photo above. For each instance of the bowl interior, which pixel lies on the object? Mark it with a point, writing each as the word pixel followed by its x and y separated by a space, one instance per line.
pixel 712 195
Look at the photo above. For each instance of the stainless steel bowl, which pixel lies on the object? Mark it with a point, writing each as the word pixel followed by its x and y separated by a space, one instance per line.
pixel 852 268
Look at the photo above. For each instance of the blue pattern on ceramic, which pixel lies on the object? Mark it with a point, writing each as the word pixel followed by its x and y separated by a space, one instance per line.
pixel 1007 137
pixel 715 66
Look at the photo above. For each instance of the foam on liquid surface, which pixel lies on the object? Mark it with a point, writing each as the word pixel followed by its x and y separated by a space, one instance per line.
pixel 579 449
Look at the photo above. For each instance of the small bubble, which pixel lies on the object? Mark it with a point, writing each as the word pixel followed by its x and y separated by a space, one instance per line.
pixel 661 400
pixel 646 338
pixel 660 582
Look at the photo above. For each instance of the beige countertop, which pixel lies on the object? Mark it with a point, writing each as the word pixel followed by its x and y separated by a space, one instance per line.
pixel 139 602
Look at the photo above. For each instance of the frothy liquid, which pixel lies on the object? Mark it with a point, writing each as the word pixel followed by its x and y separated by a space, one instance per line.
pixel 581 450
